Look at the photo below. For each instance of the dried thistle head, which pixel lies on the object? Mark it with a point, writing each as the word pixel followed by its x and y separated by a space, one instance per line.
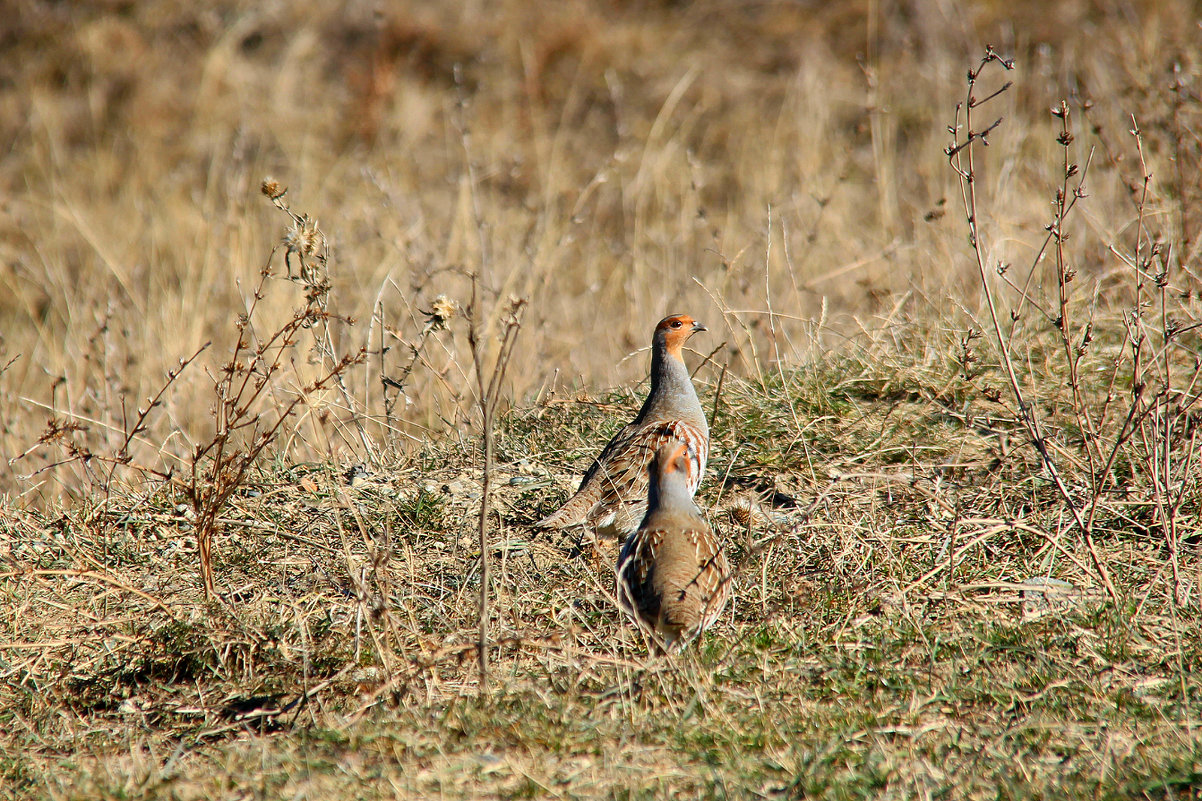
pixel 304 238
pixel 514 309
pixel 306 241
pixel 442 310
pixel 272 189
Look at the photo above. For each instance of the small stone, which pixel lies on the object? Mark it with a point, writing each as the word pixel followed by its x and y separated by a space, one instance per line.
pixel 356 475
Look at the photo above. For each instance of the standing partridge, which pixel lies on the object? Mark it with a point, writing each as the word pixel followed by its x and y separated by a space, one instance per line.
pixel 673 576
pixel 613 494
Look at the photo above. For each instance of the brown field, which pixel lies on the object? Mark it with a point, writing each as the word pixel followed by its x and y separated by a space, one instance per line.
pixel 892 469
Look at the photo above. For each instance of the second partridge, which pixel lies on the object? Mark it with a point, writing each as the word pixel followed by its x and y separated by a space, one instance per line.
pixel 673 575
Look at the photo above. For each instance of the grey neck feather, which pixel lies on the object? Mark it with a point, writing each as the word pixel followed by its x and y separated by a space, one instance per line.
pixel 670 495
pixel 671 386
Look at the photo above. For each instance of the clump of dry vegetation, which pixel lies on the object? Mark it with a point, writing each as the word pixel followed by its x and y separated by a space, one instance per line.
pixel 952 381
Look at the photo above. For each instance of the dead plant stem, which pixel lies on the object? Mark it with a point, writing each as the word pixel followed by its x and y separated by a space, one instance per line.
pixel 962 156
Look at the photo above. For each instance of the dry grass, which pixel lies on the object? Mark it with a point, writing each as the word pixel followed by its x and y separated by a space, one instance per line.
pixel 879 644
pixel 777 171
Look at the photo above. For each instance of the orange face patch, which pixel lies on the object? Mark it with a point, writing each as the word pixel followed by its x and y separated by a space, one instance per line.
pixel 675 330
pixel 675 459
pixel 677 322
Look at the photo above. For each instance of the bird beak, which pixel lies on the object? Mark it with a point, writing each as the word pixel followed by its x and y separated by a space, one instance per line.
pixel 698 327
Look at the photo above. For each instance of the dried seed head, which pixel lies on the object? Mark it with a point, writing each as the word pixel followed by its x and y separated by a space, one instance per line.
pixel 304 238
pixel 442 310
pixel 272 188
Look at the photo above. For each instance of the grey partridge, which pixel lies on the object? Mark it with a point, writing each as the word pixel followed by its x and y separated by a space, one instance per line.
pixel 612 497
pixel 673 575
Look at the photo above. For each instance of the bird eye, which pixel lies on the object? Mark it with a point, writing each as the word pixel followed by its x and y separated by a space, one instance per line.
pixel 676 323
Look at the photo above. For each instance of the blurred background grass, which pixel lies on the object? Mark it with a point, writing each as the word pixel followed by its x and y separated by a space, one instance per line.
pixel 630 159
